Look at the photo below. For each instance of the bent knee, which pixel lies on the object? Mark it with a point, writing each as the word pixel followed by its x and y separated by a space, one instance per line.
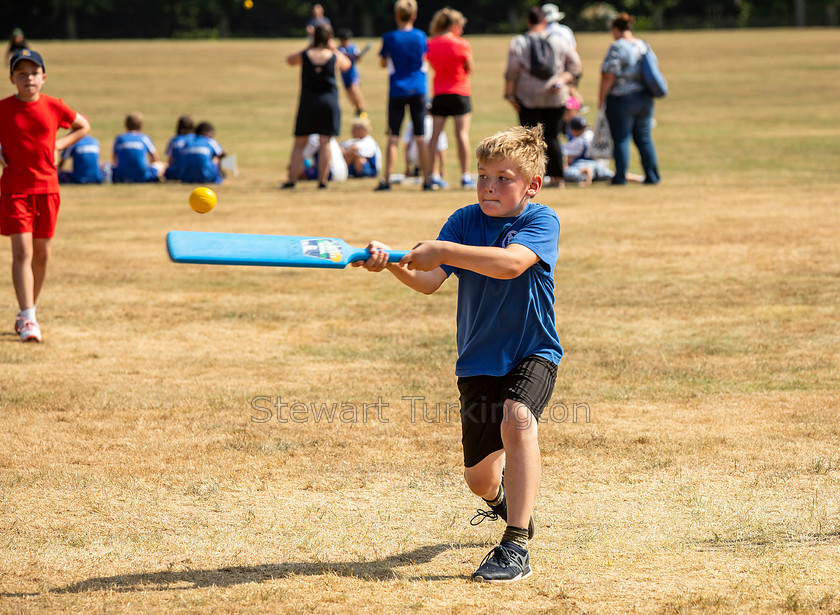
pixel 482 485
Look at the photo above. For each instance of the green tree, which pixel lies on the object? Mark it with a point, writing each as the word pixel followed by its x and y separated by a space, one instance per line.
pixel 72 10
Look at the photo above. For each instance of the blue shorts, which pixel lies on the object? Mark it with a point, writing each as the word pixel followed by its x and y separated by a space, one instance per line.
pixel 368 169
pixel 350 77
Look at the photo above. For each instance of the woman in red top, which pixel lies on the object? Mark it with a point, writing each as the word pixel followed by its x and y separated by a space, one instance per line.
pixel 451 57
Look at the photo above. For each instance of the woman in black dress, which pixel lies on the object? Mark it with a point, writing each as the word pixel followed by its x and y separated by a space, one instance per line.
pixel 318 110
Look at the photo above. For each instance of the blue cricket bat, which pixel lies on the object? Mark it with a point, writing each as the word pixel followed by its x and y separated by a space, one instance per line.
pixel 265 250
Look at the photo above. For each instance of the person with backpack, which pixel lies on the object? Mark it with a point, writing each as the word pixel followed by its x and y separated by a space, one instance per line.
pixel 627 100
pixel 541 67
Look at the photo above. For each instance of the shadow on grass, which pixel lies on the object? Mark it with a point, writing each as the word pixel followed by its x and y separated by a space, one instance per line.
pixel 377 570
pixel 763 542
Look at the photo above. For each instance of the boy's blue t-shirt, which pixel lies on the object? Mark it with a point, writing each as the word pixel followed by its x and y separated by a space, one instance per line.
pixel 85 155
pixel 405 51
pixel 500 322
pixel 196 164
pixel 132 151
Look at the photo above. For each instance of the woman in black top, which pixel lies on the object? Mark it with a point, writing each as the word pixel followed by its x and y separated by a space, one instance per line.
pixel 318 110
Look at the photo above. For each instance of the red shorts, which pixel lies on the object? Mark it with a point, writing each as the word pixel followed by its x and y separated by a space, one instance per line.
pixel 29 213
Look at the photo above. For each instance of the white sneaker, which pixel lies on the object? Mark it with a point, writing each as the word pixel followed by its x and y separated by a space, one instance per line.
pixel 30 331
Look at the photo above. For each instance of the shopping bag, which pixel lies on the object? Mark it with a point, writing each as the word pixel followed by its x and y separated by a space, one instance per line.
pixel 602 145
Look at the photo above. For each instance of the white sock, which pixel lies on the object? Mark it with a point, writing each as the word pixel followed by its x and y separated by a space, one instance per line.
pixel 28 314
pixel 466 176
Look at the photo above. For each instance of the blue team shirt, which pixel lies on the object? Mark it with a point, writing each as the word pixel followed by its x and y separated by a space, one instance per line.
pixel 352 51
pixel 173 152
pixel 85 155
pixel 132 151
pixel 500 322
pixel 405 51
pixel 196 160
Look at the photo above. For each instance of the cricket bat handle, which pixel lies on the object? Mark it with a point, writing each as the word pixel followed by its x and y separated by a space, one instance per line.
pixel 394 256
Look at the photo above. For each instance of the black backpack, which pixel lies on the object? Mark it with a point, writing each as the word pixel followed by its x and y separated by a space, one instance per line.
pixel 542 58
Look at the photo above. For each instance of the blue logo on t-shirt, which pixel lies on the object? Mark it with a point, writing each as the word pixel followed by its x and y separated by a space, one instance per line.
pixel 508 238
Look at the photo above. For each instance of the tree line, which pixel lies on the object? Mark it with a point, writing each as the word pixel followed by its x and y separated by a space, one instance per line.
pixel 97 19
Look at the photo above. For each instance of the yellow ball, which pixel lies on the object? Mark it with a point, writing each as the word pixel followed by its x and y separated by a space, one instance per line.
pixel 202 200
pixel 248 4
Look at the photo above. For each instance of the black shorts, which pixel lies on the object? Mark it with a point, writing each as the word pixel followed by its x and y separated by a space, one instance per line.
pixel 396 113
pixel 483 401
pixel 445 105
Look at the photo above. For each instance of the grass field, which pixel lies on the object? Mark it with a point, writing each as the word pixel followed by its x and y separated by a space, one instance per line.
pixel 691 456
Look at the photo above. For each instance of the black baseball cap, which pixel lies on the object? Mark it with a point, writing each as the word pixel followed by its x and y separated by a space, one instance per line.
pixel 578 123
pixel 26 54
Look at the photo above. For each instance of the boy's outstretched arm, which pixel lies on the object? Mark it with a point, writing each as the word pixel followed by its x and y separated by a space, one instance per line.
pixel 425 282
pixel 78 129
pixel 501 263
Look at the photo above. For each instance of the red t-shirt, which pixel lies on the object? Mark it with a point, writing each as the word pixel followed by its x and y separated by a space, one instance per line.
pixel 27 137
pixel 447 54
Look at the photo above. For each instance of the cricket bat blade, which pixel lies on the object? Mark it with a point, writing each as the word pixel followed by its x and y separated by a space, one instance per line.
pixel 265 250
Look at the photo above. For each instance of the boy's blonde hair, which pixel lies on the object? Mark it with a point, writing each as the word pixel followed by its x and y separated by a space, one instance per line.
pixel 405 10
pixel 522 145
pixel 361 122
pixel 444 19
pixel 134 121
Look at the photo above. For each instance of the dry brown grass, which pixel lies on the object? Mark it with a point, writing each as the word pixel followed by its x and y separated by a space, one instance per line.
pixel 699 318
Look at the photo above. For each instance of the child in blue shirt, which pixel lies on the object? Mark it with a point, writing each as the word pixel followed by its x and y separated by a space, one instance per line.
pixel 85 157
pixel 503 250
pixel 184 132
pixel 403 53
pixel 135 159
pixel 350 77
pixel 200 158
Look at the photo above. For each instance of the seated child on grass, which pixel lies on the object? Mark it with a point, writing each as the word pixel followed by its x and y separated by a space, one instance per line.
pixel 135 158
pixel 580 168
pixel 84 155
pixel 199 159
pixel 184 132
pixel 362 152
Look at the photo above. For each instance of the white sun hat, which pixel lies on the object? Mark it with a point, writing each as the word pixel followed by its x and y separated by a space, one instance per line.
pixel 553 13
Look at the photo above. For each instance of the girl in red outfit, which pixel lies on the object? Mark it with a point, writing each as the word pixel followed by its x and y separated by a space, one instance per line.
pixel 451 58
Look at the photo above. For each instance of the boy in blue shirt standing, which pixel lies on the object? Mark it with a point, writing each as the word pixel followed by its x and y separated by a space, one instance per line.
pixel 200 157
pixel 503 250
pixel 403 53
pixel 135 158
pixel 350 77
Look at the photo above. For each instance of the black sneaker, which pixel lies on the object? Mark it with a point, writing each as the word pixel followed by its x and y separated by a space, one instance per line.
pixel 383 185
pixel 504 564
pixel 499 511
